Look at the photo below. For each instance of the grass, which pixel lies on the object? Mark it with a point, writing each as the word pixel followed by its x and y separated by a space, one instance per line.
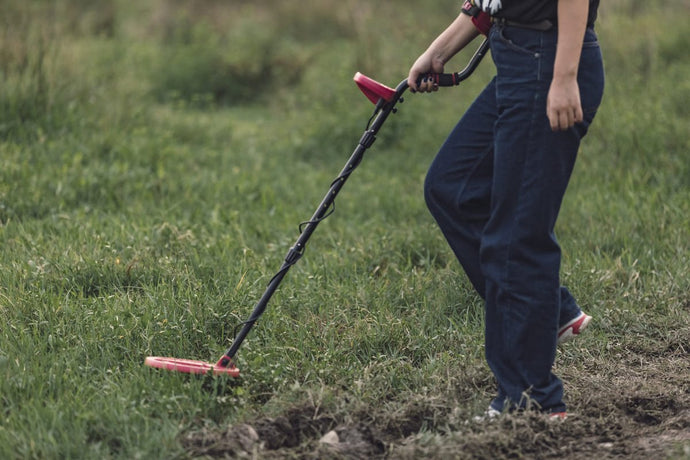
pixel 143 212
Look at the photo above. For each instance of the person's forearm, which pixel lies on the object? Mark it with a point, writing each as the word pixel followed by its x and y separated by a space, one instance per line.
pixel 563 106
pixel 453 39
pixel 572 21
pixel 445 46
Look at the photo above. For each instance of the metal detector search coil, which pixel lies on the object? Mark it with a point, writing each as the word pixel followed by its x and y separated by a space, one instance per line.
pixel 189 366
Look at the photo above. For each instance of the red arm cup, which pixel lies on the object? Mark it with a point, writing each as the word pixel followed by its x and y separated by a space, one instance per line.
pixel 482 22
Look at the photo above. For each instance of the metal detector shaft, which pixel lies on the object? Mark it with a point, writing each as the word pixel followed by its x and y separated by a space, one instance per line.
pixel 383 110
pixel 322 211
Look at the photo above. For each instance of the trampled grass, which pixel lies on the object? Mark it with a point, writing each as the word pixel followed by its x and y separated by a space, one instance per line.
pixel 140 215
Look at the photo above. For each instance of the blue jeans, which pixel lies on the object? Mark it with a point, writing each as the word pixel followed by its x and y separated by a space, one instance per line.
pixel 495 188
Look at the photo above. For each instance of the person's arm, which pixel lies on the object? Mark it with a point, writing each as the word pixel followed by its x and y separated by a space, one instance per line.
pixel 563 106
pixel 461 32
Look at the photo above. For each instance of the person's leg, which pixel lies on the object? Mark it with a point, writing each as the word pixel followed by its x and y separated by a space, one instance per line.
pixel 519 255
pixel 458 191
pixel 458 184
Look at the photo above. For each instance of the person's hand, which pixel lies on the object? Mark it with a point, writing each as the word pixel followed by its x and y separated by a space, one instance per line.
pixel 424 65
pixel 563 106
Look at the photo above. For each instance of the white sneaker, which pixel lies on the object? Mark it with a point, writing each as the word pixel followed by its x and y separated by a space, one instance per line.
pixel 488 415
pixel 492 414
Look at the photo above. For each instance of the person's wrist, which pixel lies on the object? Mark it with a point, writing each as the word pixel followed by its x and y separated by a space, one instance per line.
pixel 567 76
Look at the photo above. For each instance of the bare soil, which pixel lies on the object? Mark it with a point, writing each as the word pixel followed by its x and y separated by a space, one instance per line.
pixel 632 404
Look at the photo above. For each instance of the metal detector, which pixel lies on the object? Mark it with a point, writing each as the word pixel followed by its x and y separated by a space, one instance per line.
pixel 385 99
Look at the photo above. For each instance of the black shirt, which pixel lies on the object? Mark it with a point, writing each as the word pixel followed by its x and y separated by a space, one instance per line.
pixel 530 11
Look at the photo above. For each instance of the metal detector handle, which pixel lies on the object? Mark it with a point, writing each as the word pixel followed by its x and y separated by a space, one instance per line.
pixel 441 79
pixel 454 79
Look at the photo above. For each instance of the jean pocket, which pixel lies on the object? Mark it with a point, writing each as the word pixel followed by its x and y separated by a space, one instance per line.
pixel 518 40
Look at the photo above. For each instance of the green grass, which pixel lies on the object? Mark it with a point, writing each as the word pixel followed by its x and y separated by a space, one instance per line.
pixel 143 211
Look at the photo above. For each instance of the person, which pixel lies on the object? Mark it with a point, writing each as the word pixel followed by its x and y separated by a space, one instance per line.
pixel 497 183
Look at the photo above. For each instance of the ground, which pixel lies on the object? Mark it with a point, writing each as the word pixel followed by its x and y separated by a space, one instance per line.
pixel 636 405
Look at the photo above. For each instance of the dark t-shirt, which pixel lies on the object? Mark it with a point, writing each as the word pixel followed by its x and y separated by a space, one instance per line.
pixel 530 11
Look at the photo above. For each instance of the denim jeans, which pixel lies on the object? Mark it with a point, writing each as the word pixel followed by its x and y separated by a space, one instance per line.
pixel 495 188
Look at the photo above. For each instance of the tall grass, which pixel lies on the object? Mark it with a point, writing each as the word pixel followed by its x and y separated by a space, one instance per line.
pixel 156 159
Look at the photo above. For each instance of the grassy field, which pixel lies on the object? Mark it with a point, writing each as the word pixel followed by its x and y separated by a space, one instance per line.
pixel 155 162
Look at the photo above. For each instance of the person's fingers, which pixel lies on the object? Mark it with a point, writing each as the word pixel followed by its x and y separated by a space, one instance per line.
pixel 425 85
pixel 417 84
pixel 579 115
pixel 552 115
pixel 563 106
pixel 412 80
pixel 565 118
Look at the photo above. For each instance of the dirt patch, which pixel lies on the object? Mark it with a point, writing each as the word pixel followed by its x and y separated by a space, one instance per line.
pixel 636 406
pixel 358 441
pixel 295 434
pixel 297 426
pixel 236 441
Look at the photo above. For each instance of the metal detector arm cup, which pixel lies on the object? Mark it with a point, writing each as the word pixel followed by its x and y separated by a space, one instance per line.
pixel 373 90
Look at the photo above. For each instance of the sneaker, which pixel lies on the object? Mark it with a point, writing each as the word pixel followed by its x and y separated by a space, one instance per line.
pixel 488 415
pixel 573 327
pixel 492 414
pixel 558 416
